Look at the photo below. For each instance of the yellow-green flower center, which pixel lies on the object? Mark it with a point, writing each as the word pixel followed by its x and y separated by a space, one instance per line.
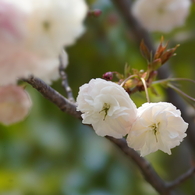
pixel 105 109
pixel 46 25
pixel 154 127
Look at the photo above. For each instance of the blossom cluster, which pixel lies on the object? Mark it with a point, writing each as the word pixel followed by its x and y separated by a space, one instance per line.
pixel 161 15
pixel 33 33
pixel 109 109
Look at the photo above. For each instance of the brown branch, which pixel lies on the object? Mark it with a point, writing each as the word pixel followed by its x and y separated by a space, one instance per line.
pixel 147 170
pixel 66 106
pixel 49 93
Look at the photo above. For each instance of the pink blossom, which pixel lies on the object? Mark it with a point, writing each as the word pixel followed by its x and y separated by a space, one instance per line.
pixel 15 104
pixel 32 35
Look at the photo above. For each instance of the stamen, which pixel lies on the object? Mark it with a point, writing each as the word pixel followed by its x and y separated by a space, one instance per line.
pixel 105 109
pixel 46 25
pixel 154 128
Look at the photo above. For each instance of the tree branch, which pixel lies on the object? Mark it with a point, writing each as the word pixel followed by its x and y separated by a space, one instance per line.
pixel 49 93
pixel 66 106
pixel 147 170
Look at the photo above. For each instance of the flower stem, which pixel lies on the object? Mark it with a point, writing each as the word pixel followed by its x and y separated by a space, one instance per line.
pixel 127 80
pixel 146 89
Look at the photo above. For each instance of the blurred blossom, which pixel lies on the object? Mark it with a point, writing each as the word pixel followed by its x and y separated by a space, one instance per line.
pixel 159 126
pixel 33 33
pixel 161 15
pixel 107 107
pixel 14 104
pixel 54 24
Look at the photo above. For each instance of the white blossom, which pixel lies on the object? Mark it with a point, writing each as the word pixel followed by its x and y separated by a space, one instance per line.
pixel 54 24
pixel 107 107
pixel 161 15
pixel 33 33
pixel 159 126
pixel 15 104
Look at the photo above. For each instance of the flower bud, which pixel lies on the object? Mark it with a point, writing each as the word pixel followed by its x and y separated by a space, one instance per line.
pixel 108 76
pixel 95 12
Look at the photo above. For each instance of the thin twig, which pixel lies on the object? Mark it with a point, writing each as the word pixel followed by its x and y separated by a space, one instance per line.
pixel 180 92
pixel 64 77
pixel 182 178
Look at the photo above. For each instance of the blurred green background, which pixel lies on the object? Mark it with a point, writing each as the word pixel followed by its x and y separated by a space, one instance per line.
pixel 51 153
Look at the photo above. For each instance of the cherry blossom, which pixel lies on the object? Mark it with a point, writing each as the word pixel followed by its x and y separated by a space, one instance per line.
pixel 159 126
pixel 161 15
pixel 107 107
